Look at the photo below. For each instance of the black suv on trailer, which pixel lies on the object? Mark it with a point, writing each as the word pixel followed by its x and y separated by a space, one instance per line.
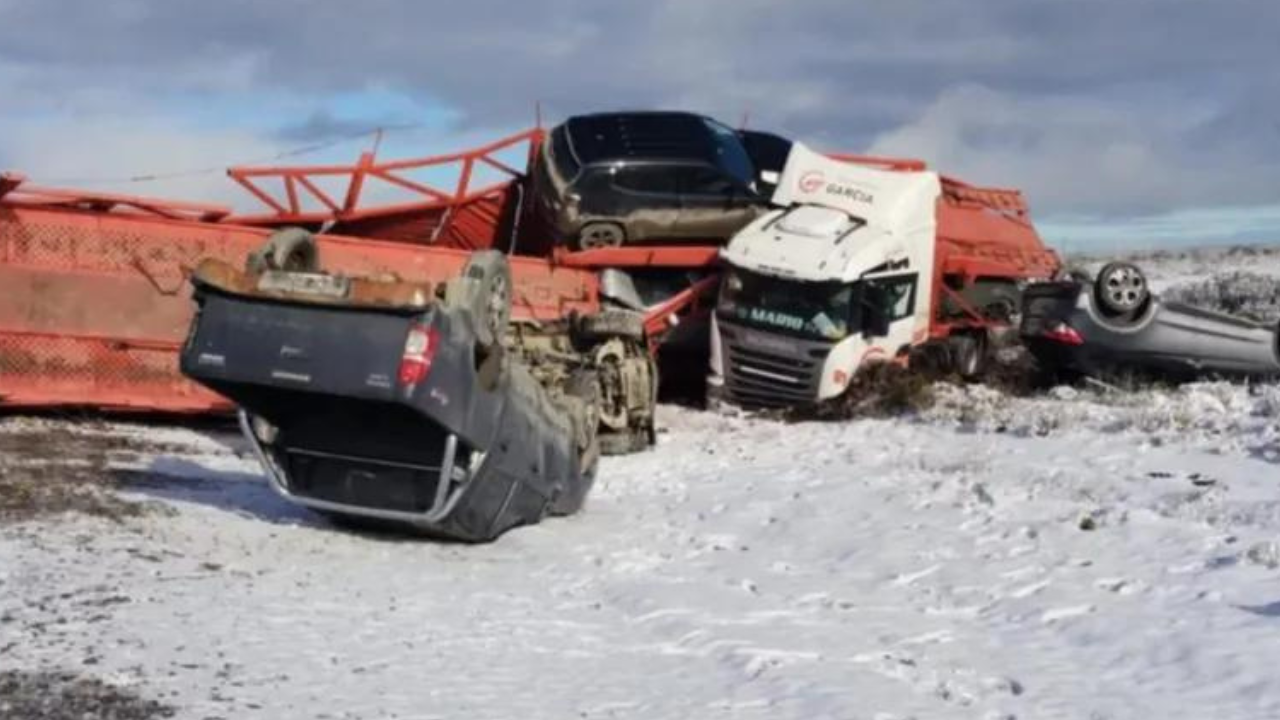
pixel 612 178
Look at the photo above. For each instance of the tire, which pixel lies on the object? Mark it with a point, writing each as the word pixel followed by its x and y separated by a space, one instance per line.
pixel 597 235
pixel 1121 290
pixel 625 443
pixel 572 501
pixel 290 249
pixel 1003 305
pixel 613 323
pixel 585 385
pixel 932 359
pixel 969 355
pixel 635 439
pixel 486 295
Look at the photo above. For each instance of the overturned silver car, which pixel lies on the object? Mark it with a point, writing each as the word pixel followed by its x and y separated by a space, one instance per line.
pixel 1114 323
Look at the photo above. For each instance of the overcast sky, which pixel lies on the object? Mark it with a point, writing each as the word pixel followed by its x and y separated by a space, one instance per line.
pixel 1148 119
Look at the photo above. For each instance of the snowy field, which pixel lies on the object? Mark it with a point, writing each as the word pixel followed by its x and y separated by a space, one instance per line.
pixel 1080 554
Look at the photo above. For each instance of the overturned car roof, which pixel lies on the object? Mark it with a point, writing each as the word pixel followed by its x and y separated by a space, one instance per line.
pixel 622 135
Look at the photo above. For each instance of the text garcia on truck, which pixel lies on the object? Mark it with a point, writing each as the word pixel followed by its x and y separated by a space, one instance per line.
pixel 860 264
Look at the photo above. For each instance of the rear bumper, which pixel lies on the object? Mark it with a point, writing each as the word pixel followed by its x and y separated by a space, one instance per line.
pixel 450 483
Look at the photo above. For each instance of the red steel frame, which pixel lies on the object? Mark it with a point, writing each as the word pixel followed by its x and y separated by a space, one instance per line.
pixel 467 215
pixel 95 302
pixel 983 232
pixel 299 183
pixel 15 190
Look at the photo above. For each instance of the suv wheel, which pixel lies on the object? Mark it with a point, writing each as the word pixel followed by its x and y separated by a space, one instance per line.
pixel 290 249
pixel 485 291
pixel 597 235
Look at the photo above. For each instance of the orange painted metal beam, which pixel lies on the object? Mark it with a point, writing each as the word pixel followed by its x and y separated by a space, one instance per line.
pixel 96 304
pixel 693 256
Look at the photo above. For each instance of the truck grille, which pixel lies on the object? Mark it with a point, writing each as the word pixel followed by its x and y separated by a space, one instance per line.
pixel 781 374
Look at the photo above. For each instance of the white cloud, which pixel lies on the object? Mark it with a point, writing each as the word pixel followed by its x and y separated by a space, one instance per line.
pixel 1095 106
pixel 101 155
pixel 1073 154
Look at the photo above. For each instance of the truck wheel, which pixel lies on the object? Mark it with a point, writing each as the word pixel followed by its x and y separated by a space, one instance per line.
pixel 583 385
pixel 625 443
pixel 596 235
pixel 969 354
pixel 486 294
pixel 931 359
pixel 1121 289
pixel 290 249
pixel 613 323
pixel 1003 305
pixel 633 437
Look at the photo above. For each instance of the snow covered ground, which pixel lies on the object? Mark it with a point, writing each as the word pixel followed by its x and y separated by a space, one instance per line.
pixel 1168 268
pixel 1081 554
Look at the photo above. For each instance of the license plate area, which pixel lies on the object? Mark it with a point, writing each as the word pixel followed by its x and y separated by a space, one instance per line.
pixel 296 283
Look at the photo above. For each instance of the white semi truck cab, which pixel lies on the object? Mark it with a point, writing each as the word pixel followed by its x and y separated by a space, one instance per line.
pixel 841 273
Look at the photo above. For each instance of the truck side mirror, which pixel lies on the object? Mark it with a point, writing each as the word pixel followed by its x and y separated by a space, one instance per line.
pixel 875 311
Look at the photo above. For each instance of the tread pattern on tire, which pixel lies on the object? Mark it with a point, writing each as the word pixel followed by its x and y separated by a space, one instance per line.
pixel 614 323
pixel 291 248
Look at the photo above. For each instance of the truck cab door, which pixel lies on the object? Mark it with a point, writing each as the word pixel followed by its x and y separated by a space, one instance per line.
pixel 883 321
pixel 713 206
pixel 889 314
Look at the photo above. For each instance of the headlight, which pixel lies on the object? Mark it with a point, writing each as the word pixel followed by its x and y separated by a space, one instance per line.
pixel 733 282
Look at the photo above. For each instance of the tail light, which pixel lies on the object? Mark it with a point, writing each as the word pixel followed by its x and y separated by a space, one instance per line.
pixel 1064 334
pixel 419 350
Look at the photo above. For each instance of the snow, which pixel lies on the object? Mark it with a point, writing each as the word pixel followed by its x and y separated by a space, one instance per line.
pixel 925 567
pixel 1085 553
pixel 1166 268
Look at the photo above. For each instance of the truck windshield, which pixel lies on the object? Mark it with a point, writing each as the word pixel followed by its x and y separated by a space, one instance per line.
pixel 731 155
pixel 814 310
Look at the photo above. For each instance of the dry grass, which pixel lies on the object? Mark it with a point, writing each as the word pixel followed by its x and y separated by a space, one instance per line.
pixel 881 390
pixel 887 390
pixel 1249 295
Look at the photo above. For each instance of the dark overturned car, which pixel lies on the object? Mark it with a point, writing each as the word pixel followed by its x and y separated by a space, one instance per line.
pixel 381 402
pixel 1113 324
pixel 610 179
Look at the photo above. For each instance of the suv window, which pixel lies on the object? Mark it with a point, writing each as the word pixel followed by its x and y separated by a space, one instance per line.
pixel 730 155
pixel 705 181
pixel 645 179
pixel 562 155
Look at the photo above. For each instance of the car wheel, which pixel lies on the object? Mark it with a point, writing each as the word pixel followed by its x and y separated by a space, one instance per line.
pixel 290 249
pixel 488 296
pixel 1121 289
pixel 597 235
